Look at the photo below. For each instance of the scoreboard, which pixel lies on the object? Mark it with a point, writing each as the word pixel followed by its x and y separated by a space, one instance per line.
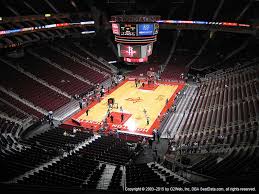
pixel 135 35
pixel 129 51
pixel 135 51
pixel 116 29
pixel 128 30
pixel 145 29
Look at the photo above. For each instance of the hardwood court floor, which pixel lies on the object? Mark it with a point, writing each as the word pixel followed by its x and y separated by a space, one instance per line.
pixel 133 101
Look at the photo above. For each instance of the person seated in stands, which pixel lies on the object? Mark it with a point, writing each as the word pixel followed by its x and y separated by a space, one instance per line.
pixel 150 142
pixel 65 133
pixel 117 133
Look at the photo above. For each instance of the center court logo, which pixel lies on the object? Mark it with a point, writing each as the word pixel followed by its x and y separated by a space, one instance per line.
pixel 134 100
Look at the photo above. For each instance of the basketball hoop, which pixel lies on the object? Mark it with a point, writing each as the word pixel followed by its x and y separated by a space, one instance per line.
pixel 151 75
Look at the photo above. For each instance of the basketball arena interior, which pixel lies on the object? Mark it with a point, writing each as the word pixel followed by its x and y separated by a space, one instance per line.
pixel 129 95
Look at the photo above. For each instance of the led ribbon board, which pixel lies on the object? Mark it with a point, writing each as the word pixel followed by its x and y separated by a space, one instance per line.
pixel 48 26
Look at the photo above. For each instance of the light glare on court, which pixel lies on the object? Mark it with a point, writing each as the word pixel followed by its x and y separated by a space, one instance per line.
pixel 131 125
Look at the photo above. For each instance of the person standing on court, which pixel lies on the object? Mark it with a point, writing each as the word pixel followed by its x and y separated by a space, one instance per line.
pixel 81 104
pixel 122 117
pixel 86 112
pixel 136 82
pixel 145 112
pixel 111 118
pixel 147 120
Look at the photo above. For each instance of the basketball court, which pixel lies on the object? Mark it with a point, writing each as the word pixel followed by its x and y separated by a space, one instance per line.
pixel 138 104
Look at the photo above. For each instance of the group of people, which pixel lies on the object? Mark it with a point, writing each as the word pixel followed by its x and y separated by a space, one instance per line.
pixel 112 117
pixel 96 94
pixel 109 115
pixel 156 135
pixel 137 82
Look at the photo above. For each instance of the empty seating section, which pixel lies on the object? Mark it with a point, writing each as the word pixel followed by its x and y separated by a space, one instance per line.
pixel 175 68
pixel 108 149
pixel 20 8
pixel 75 67
pixel 31 90
pixel 100 47
pixel 228 107
pixel 142 69
pixel 57 139
pixel 20 105
pixel 140 175
pixel 52 75
pixel 92 182
pixel 63 6
pixel 81 167
pixel 17 163
pixel 237 162
pixel 11 111
pixel 7 126
pixel 80 54
pixel 39 150
pixel 69 171
pixel 40 6
pixel 170 179
pixel 115 183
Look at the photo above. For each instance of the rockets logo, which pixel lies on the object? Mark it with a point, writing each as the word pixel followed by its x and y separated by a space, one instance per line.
pixel 130 51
